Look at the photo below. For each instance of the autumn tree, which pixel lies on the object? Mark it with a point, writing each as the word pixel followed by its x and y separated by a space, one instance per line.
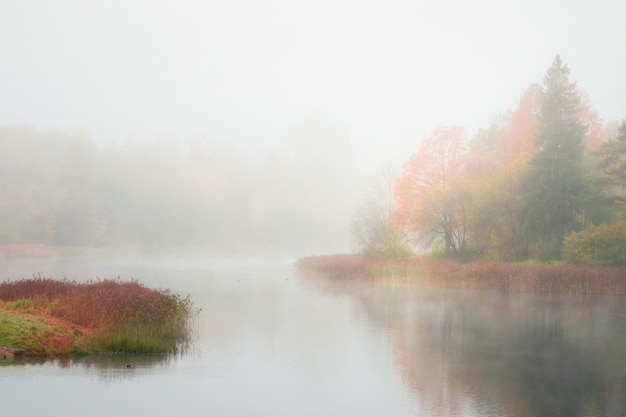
pixel 429 204
pixel 499 218
pixel 522 126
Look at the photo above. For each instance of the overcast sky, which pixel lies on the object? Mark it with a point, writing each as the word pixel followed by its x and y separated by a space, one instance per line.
pixel 249 71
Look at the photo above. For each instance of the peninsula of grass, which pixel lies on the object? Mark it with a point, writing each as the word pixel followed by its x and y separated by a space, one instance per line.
pixel 507 277
pixel 44 317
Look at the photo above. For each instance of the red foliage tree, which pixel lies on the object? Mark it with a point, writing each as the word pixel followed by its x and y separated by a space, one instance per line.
pixel 427 204
pixel 522 126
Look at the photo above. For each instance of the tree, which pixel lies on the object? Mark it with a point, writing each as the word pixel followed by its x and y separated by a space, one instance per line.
pixel 497 226
pixel 596 132
pixel 613 155
pixel 428 203
pixel 373 231
pixel 500 211
pixel 522 126
pixel 76 211
pixel 555 186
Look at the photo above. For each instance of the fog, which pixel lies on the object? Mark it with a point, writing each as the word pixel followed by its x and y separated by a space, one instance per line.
pixel 62 189
pixel 257 125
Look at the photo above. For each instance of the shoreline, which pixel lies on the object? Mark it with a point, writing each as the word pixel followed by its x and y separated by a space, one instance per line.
pixel 506 277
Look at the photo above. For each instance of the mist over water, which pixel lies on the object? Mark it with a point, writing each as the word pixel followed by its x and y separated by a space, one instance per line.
pixel 203 147
pixel 273 342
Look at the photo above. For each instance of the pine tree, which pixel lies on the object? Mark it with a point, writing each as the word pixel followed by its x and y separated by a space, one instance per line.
pixel 555 184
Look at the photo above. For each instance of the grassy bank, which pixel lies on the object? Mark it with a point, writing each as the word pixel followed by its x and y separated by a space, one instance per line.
pixel 33 335
pixel 43 316
pixel 522 277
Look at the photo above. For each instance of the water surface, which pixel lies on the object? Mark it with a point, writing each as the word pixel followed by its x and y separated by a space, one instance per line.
pixel 271 342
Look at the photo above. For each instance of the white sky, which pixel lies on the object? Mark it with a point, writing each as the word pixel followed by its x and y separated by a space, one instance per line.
pixel 249 71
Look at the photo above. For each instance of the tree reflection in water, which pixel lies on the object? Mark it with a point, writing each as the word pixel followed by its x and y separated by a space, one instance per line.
pixel 496 354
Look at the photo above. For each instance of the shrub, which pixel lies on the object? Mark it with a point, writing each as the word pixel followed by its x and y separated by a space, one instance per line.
pixel 22 304
pixel 603 245
pixel 54 306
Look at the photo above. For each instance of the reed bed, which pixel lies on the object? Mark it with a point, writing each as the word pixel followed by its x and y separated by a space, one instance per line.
pixel 514 277
pixel 120 316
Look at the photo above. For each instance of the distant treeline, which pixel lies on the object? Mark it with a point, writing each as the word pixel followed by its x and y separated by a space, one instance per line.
pixel 61 188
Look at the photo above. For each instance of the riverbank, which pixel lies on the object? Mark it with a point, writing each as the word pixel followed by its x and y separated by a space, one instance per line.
pixel 513 277
pixel 47 317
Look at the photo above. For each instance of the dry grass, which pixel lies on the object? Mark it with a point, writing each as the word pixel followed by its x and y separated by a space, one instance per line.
pixel 521 277
pixel 123 316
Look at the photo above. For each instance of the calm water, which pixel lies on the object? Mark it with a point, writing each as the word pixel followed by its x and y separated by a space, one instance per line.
pixel 273 343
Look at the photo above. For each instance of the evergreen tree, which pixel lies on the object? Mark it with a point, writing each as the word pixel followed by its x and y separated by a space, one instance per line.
pixel 555 184
pixel 613 155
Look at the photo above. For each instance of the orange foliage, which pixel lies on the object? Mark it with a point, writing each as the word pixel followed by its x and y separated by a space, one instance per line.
pixel 440 159
pixel 522 128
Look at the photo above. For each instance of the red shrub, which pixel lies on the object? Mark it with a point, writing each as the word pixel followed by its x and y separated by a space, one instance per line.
pixel 93 304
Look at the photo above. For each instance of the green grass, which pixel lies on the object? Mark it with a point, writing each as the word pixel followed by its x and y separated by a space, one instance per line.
pixel 134 340
pixel 33 336
pixel 22 304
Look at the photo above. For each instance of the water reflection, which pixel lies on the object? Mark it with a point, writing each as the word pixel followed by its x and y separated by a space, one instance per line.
pixel 492 354
pixel 271 342
pixel 107 368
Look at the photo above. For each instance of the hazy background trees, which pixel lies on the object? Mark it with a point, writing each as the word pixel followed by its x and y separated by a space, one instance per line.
pixel 536 183
pixel 61 188
pixel 374 233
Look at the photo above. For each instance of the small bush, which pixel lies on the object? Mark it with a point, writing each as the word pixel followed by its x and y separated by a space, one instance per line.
pixel 603 245
pixel 55 306
pixel 22 304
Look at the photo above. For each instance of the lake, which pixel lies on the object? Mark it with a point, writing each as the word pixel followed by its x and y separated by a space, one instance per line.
pixel 272 342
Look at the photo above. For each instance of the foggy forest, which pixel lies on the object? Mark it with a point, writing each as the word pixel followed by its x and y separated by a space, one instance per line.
pixel 313 208
pixel 63 189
